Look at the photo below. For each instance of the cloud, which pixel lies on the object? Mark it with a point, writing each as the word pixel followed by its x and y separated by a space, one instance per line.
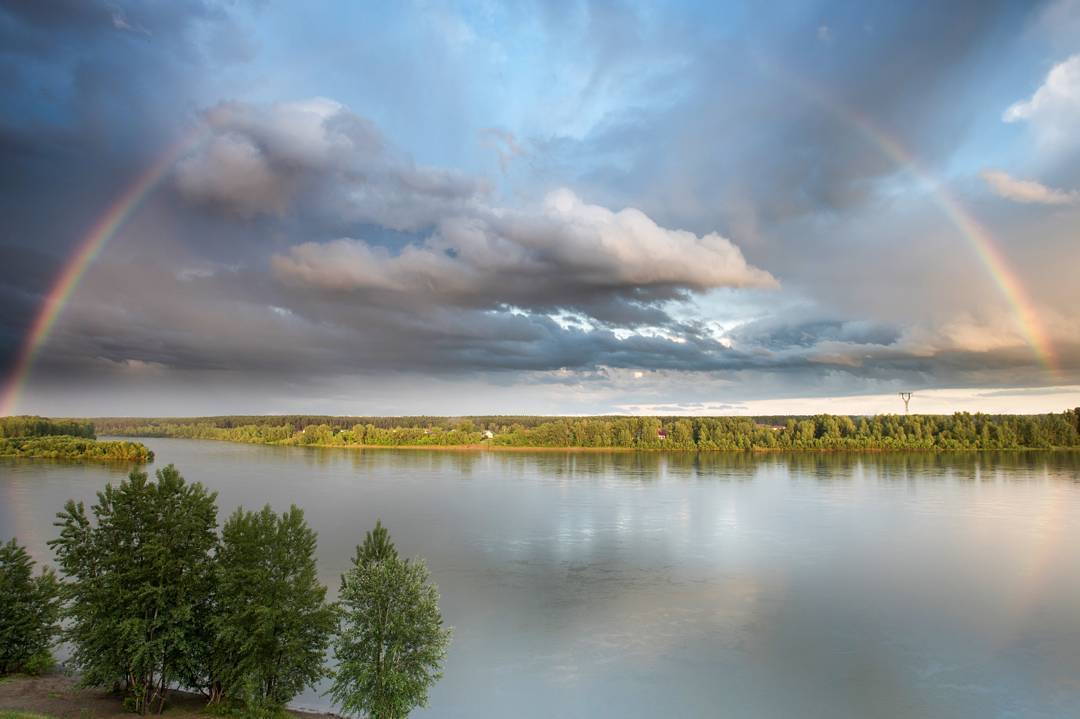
pixel 1027 191
pixel 1054 109
pixel 268 160
pixel 120 22
pixel 441 278
pixel 569 254
pixel 233 172
pixel 789 330
pixel 762 126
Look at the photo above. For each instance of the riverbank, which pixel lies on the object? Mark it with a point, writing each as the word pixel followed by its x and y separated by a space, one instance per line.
pixel 960 431
pixel 660 450
pixel 58 695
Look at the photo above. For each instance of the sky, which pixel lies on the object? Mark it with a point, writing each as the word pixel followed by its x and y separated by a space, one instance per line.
pixel 539 207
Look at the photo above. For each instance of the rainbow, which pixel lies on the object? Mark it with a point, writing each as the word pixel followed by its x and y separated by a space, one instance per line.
pixel 87 250
pixel 121 210
pixel 980 239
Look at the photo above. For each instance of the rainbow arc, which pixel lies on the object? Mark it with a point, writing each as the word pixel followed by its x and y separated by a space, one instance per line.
pixel 87 250
pixel 981 241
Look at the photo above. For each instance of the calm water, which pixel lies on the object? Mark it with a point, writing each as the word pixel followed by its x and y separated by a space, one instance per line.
pixel 627 585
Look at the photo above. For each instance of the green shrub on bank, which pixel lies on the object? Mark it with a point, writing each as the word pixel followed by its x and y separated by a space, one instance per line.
pixel 29 612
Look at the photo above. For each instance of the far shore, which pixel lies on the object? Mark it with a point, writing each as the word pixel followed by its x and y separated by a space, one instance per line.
pixel 480 448
pixel 655 450
pixel 960 431
pixel 624 450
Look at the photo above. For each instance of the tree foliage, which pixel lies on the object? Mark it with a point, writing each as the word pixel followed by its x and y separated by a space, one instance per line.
pixel 65 447
pixel 29 611
pixel 154 600
pixel 959 431
pixel 138 583
pixel 39 437
pixel 392 641
pixel 28 426
pixel 271 623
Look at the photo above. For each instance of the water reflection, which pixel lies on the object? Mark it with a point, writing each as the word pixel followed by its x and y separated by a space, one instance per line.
pixel 585 584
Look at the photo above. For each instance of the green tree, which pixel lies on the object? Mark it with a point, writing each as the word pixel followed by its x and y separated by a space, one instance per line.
pixel 391 642
pixel 137 584
pixel 272 623
pixel 29 612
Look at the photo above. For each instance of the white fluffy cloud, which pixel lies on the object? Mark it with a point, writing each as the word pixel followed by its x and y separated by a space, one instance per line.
pixel 1054 109
pixel 567 254
pixel 1028 191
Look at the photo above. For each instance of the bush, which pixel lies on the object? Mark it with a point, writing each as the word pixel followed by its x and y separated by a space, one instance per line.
pixel 40 663
pixel 29 610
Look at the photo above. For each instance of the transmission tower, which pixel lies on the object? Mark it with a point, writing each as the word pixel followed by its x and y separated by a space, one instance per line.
pixel 906 396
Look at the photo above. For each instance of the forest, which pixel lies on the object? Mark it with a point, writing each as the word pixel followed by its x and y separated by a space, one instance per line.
pixel 27 426
pixel 959 431
pixel 43 438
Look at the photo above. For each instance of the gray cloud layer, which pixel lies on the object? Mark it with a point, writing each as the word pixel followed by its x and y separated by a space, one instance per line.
pixel 266 161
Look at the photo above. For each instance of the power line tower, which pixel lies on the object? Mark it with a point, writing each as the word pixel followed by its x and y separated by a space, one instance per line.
pixel 906 396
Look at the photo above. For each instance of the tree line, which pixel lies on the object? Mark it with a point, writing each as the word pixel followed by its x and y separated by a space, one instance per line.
pixel 153 598
pixel 959 431
pixel 40 437
pixel 28 426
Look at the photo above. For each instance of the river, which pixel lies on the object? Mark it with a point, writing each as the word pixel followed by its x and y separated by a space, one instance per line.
pixel 590 584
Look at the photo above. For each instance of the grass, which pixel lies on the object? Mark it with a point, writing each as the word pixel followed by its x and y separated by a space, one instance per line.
pixel 8 714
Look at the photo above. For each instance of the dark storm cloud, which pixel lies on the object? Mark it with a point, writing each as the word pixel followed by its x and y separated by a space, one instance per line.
pixel 89 93
pixel 243 322
pixel 237 319
pixel 23 272
pixel 780 333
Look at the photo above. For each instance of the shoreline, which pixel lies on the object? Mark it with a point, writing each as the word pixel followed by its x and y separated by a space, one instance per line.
pixel 653 450
pixel 648 450
pixel 57 694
